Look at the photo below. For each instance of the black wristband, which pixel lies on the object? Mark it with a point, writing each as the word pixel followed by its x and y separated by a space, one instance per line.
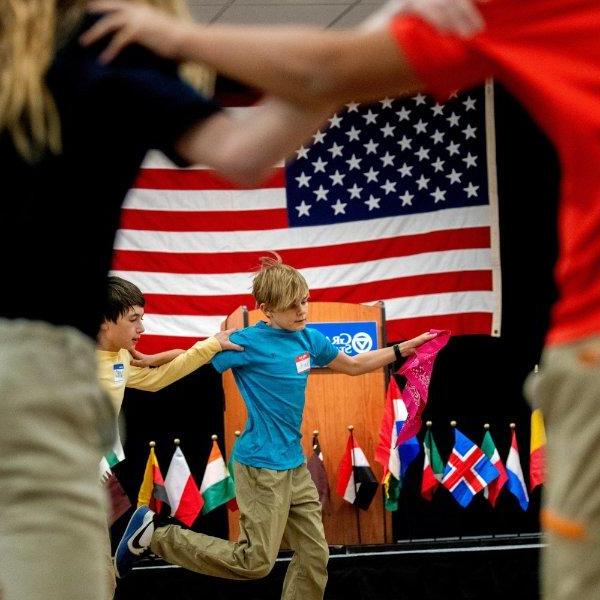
pixel 397 352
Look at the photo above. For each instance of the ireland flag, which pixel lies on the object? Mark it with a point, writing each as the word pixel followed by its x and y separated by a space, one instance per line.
pixel 217 484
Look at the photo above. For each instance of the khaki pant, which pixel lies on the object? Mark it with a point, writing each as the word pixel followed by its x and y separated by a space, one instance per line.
pixel 109 569
pixel 272 504
pixel 54 424
pixel 567 390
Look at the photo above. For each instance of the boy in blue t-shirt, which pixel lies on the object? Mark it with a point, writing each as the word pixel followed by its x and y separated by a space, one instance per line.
pixel 275 493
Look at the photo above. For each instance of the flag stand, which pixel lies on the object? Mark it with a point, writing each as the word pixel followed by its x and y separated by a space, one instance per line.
pixel 389 373
pixel 385 540
pixel 356 509
pixel 494 515
pixel 460 520
pixel 494 518
pixel 513 426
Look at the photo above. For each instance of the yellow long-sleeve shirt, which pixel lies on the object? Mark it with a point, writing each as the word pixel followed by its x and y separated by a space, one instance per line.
pixel 116 373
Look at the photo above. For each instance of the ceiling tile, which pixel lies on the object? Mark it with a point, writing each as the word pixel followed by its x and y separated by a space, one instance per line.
pixel 205 13
pixel 326 13
pixel 312 3
pixel 269 14
pixel 355 15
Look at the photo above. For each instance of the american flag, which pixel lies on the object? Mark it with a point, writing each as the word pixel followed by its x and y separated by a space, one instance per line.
pixel 394 201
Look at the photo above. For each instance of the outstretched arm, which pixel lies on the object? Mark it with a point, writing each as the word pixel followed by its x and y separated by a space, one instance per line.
pixel 369 361
pixel 303 65
pixel 199 354
pixel 138 359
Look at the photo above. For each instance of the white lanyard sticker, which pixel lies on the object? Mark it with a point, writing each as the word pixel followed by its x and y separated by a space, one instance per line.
pixel 303 362
pixel 119 372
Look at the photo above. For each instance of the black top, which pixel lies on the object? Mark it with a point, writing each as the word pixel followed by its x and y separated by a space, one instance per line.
pixel 60 214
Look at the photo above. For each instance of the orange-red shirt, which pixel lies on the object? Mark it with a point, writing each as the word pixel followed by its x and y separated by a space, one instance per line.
pixel 547 53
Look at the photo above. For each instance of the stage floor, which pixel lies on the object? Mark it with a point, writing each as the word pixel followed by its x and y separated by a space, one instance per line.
pixel 476 568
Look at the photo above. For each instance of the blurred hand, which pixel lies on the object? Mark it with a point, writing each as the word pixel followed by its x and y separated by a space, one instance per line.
pixel 129 23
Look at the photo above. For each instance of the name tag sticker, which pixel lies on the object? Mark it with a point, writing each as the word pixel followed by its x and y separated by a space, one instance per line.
pixel 119 372
pixel 303 362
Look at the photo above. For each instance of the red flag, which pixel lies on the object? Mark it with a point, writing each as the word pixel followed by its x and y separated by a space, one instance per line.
pixel 183 493
pixel 388 432
pixel 119 501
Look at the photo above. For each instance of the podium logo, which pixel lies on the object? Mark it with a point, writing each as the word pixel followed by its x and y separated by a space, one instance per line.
pixel 359 342
pixel 362 342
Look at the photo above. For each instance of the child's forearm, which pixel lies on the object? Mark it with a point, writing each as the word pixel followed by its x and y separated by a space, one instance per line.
pixel 369 361
pixel 308 66
pixel 363 363
pixel 161 358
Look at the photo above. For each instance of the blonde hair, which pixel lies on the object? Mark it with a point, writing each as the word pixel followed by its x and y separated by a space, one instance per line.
pixel 27 46
pixel 30 31
pixel 276 285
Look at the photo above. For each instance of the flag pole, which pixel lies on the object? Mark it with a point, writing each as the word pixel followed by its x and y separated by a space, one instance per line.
pixel 388 376
pixel 460 534
pixel 486 428
pixel 152 444
pixel 384 512
pixel 513 427
pixel 351 429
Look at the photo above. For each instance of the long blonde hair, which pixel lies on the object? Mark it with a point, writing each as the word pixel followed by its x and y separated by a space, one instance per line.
pixel 29 33
pixel 27 46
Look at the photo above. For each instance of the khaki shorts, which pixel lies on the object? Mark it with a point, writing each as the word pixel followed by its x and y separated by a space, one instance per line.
pixel 567 389
pixel 54 425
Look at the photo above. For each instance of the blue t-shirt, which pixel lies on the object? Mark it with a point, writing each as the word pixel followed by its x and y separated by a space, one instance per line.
pixel 271 375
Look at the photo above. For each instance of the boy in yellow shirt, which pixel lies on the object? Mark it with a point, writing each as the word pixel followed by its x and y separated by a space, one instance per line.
pixel 121 366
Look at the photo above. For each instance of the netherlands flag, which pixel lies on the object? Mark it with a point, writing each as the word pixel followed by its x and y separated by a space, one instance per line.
pixel 516 482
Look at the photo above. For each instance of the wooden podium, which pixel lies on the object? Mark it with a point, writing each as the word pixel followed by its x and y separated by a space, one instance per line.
pixel 333 401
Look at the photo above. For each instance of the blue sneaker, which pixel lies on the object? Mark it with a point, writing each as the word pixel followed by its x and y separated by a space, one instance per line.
pixel 135 542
